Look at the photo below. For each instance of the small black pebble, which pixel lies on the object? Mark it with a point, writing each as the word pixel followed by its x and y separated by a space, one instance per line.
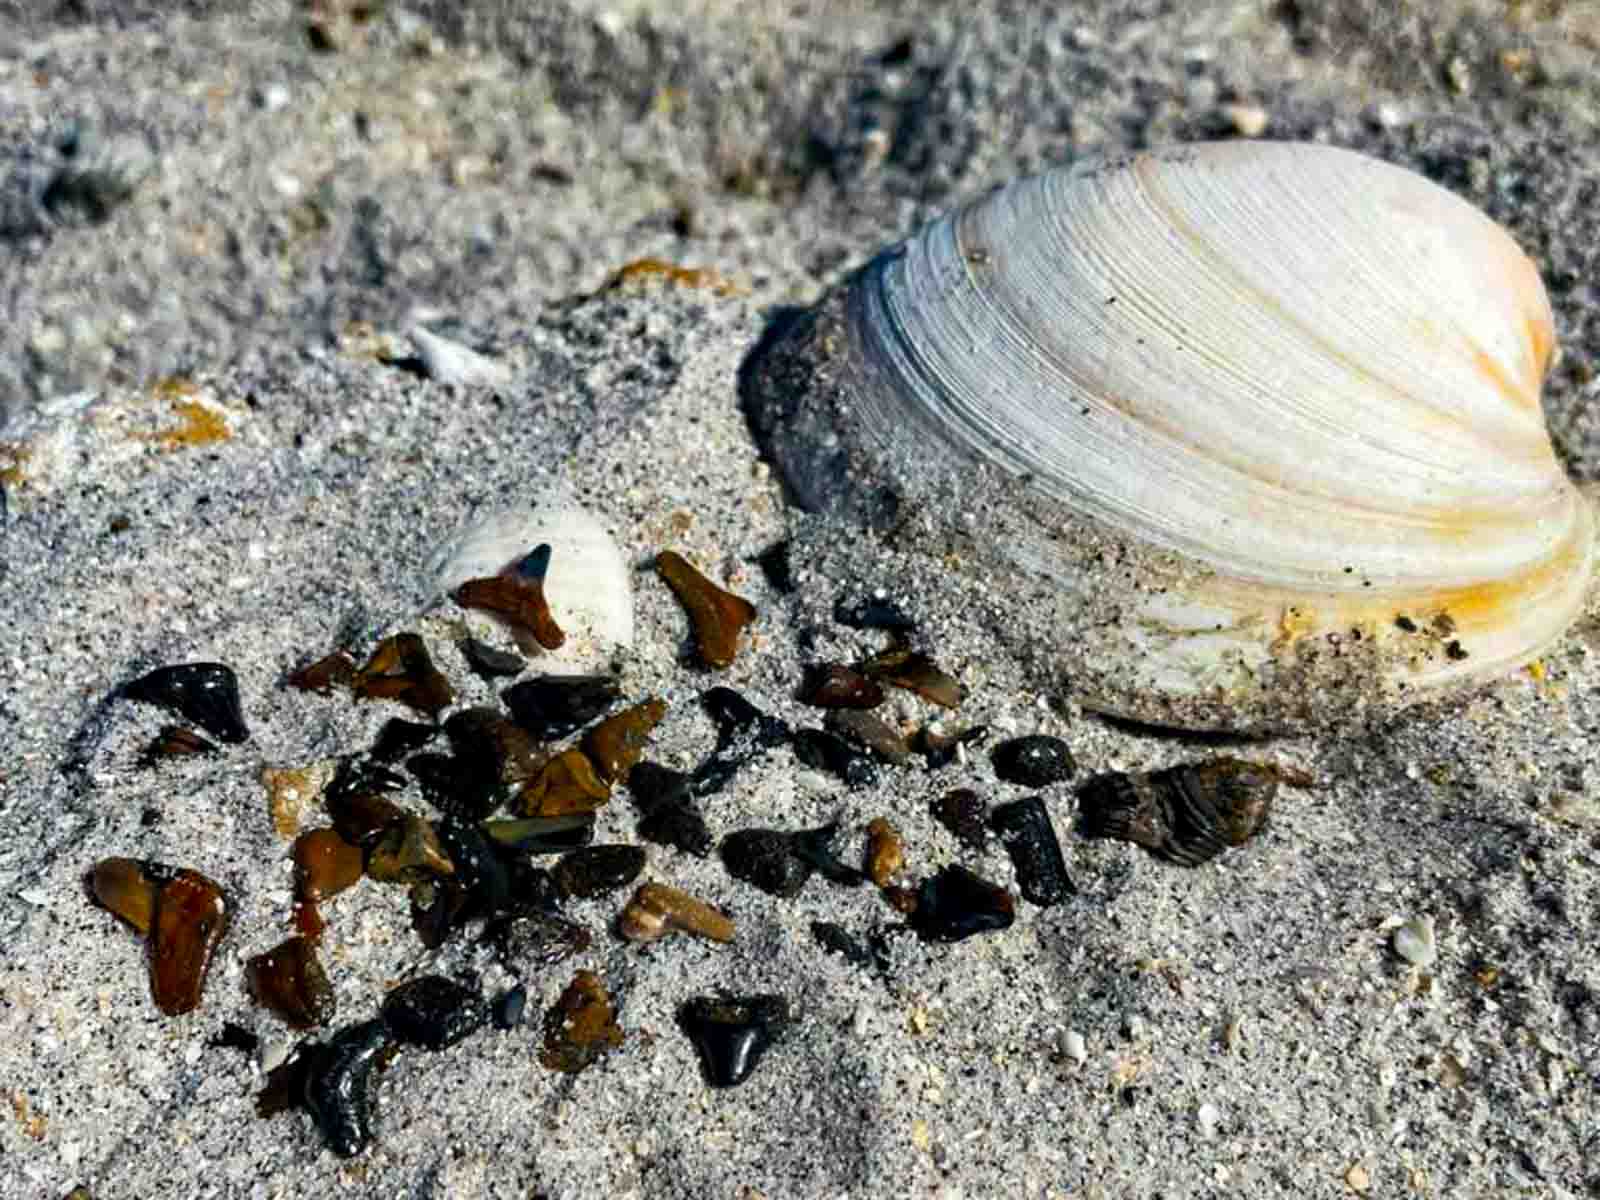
pixel 553 706
pixel 1035 761
pixel 490 663
pixel 766 858
pixel 508 1007
pixel 236 1037
pixel 400 737
pixel 836 939
pixel 434 1012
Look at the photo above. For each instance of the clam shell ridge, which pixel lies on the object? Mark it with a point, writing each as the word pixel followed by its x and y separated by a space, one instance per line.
pixel 1249 432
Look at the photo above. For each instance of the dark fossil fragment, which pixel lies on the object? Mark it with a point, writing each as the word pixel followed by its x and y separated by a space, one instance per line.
pixel 815 846
pixel 732 1033
pixel 956 904
pixel 596 870
pixel 766 858
pixel 400 737
pixel 1187 814
pixel 744 733
pixel 942 749
pixel 289 980
pixel 1034 761
pixel 490 663
pixel 541 835
pixel 401 669
pixel 175 741
pixel 870 731
pixel 836 939
pixel 580 1027
pixel 1029 837
pixel 531 938
pixel 963 812
pixel 831 753
pixel 434 1012
pixel 509 1006
pixel 338 1083
pixel 834 685
pixel 668 815
pixel 552 706
pixel 204 693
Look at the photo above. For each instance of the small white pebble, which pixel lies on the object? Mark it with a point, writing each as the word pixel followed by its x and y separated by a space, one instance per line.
pixel 1072 1045
pixel 1209 1116
pixel 1248 120
pixel 451 362
pixel 273 97
pixel 1414 941
pixel 274 1053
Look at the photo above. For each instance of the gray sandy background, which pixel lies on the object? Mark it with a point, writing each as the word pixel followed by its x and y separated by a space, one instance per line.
pixel 488 168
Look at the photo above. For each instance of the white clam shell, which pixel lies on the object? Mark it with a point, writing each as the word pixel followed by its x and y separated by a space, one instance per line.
pixel 1264 415
pixel 588 587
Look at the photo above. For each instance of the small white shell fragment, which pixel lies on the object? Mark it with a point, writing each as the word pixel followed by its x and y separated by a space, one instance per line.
pixel 1072 1045
pixel 1208 1117
pixel 588 586
pixel 446 361
pixel 1414 941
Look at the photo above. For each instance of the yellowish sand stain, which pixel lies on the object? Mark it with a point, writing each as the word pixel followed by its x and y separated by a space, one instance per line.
pixel 198 423
pixel 660 268
pixel 13 457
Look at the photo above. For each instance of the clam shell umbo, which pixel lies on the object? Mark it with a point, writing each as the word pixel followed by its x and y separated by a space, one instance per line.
pixel 1243 435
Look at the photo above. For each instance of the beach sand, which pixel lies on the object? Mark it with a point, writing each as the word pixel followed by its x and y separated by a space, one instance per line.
pixel 218 446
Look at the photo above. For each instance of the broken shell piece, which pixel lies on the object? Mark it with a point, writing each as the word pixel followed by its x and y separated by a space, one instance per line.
pixel 587 586
pixel 1416 943
pixel 447 361
pixel 717 616
pixel 657 910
